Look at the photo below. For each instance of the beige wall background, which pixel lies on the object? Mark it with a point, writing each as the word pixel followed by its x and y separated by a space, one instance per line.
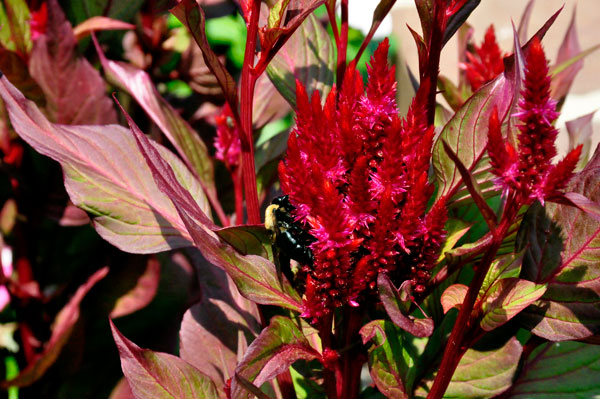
pixel 585 92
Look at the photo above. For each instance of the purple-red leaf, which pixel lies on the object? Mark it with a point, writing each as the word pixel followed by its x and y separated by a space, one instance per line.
pixel 141 294
pixel 106 175
pixel 222 343
pixel 185 140
pixel 61 331
pixel 248 239
pixel 562 81
pixel 99 23
pixel 277 347
pixel 524 22
pixel 191 15
pixel 307 57
pixel 580 132
pixel 563 248
pixel 159 375
pixel 75 92
pixel 393 306
pixel 256 277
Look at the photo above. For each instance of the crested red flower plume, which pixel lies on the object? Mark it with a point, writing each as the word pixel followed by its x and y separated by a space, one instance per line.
pixel 357 175
pixel 528 170
pixel 485 63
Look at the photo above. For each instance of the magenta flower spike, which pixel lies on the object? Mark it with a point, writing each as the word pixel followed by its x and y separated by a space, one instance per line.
pixel 357 175
pixel 528 171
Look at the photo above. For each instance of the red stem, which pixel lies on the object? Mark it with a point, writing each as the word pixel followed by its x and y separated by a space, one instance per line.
pixel 342 45
pixel 464 324
pixel 238 189
pixel 247 84
pixel 352 358
pixel 327 343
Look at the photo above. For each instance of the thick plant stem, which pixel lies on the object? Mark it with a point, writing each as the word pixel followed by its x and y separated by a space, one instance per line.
pixel 430 75
pixel 327 343
pixel 352 358
pixel 248 82
pixel 342 45
pixel 455 347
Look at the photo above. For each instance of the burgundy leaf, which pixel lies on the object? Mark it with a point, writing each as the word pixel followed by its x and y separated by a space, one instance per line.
pixel 160 375
pixel 562 81
pixel 191 15
pixel 580 131
pixel 256 277
pixel 141 294
pixel 382 9
pixel 99 23
pixel 459 17
pixel 106 175
pixel 61 331
pixel 277 347
pixel 562 248
pixel 185 140
pixel 393 306
pixel 524 22
pixel 223 343
pixel 75 92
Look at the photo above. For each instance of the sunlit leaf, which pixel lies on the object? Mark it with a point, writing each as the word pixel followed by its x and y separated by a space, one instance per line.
pixel 99 23
pixel 277 347
pixel 141 294
pixel 15 34
pixel 187 142
pixel 453 297
pixel 106 175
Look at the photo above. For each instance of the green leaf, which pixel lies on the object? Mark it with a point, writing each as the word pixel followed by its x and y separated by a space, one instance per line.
pixel 159 375
pixel 106 175
pixel 276 13
pixel 249 239
pixel 560 370
pixel 562 247
pixel 387 365
pixel 308 56
pixel 506 298
pixel 482 374
pixel 466 133
pixel 505 266
pixel 15 34
pixel 276 348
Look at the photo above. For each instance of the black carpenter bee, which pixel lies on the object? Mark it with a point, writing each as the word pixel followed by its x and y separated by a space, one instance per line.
pixel 290 238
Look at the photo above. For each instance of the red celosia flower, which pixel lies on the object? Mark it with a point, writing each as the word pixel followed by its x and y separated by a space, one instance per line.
pixel 38 22
pixel 227 141
pixel 357 175
pixel 485 63
pixel 528 171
